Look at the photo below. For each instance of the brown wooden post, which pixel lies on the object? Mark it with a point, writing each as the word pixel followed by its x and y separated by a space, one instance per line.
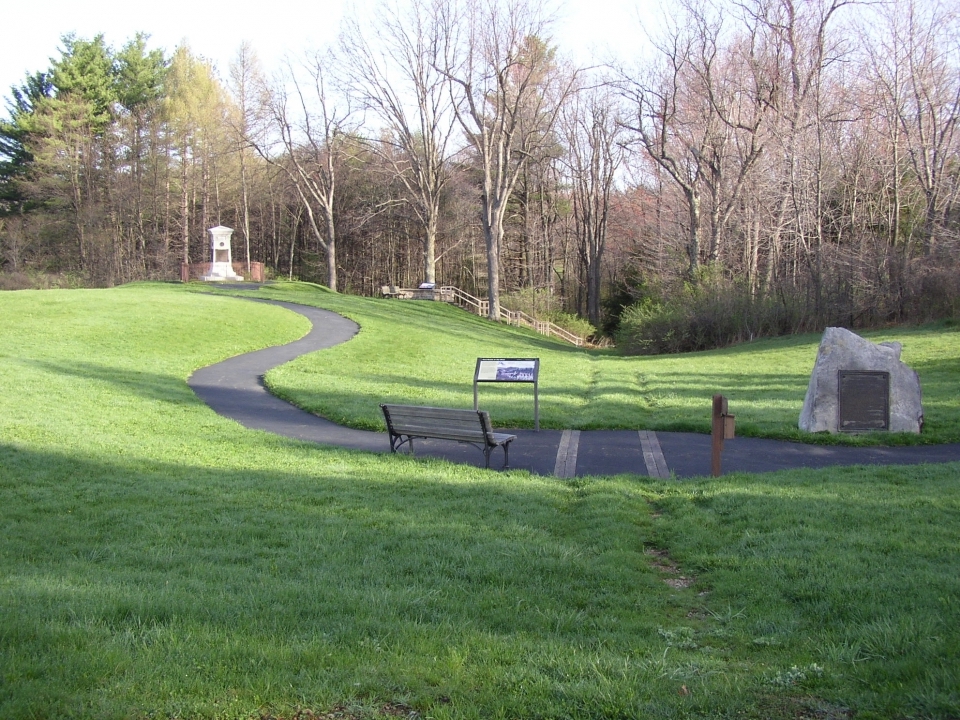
pixel 717 433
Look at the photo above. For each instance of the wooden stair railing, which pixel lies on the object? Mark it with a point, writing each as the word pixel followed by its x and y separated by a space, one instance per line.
pixel 518 318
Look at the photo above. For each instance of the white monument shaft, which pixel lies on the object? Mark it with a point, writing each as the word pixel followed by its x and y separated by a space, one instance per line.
pixel 222 266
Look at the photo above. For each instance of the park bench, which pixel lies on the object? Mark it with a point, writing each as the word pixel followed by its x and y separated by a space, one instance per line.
pixel 406 422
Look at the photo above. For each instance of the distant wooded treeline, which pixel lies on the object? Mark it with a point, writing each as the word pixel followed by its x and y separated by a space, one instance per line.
pixel 769 166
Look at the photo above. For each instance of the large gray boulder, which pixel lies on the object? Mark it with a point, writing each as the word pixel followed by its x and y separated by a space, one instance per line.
pixel 841 349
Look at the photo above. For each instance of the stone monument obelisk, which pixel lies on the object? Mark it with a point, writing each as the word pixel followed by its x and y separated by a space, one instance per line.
pixel 222 267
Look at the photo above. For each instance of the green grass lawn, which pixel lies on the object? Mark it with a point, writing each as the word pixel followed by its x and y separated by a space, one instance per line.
pixel 160 561
pixel 424 353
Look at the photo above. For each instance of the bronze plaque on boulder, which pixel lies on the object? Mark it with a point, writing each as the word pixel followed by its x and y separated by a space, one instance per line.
pixel 864 401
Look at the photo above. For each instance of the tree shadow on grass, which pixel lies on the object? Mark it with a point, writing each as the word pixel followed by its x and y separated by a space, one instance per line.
pixel 142 383
pixel 119 573
pixel 132 580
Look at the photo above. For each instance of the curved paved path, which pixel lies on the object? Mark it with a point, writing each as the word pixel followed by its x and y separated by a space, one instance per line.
pixel 234 388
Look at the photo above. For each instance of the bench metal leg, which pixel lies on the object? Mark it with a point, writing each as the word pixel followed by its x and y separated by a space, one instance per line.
pixel 506 455
pixel 397 441
pixel 488 450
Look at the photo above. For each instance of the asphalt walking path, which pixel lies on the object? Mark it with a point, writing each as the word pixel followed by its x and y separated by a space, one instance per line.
pixel 234 388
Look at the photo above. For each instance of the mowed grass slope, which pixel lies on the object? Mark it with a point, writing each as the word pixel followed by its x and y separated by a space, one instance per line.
pixel 424 353
pixel 160 561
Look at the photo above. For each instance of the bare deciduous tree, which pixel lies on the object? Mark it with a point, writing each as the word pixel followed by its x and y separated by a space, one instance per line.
pixel 396 75
pixel 672 115
pixel 802 49
pixel 245 79
pixel 311 128
pixel 507 94
pixel 593 136
pixel 926 53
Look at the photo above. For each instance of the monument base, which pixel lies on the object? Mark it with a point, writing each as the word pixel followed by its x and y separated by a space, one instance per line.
pixel 222 272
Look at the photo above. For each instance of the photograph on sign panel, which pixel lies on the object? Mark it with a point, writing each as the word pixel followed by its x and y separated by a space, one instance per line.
pixel 515 370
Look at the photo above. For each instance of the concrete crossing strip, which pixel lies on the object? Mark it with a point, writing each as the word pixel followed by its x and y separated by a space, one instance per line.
pixel 566 466
pixel 653 455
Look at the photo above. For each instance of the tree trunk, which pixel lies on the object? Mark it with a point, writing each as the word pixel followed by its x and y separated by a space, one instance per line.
pixel 693 241
pixel 331 252
pixel 430 250
pixel 492 235
pixel 184 206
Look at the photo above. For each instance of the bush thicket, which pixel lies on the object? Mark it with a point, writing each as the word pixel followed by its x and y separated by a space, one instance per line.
pixel 714 311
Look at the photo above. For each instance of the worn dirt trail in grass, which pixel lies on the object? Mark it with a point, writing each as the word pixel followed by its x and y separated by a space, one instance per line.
pixel 234 388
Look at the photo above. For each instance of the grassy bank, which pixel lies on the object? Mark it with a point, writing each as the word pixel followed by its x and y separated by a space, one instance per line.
pixel 424 353
pixel 160 561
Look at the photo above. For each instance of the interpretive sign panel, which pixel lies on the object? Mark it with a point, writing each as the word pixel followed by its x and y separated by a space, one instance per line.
pixel 864 402
pixel 509 370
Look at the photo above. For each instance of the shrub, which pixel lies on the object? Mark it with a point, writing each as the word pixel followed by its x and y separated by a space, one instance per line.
pixel 571 323
pixel 544 305
pixel 38 280
pixel 15 281
pixel 538 303
pixel 935 295
pixel 702 315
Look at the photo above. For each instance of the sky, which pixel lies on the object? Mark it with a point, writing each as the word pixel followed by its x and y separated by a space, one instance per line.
pixel 588 30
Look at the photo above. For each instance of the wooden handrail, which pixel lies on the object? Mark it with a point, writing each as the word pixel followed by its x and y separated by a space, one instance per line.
pixel 513 317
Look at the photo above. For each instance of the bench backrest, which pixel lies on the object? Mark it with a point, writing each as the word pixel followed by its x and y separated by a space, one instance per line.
pixel 443 423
